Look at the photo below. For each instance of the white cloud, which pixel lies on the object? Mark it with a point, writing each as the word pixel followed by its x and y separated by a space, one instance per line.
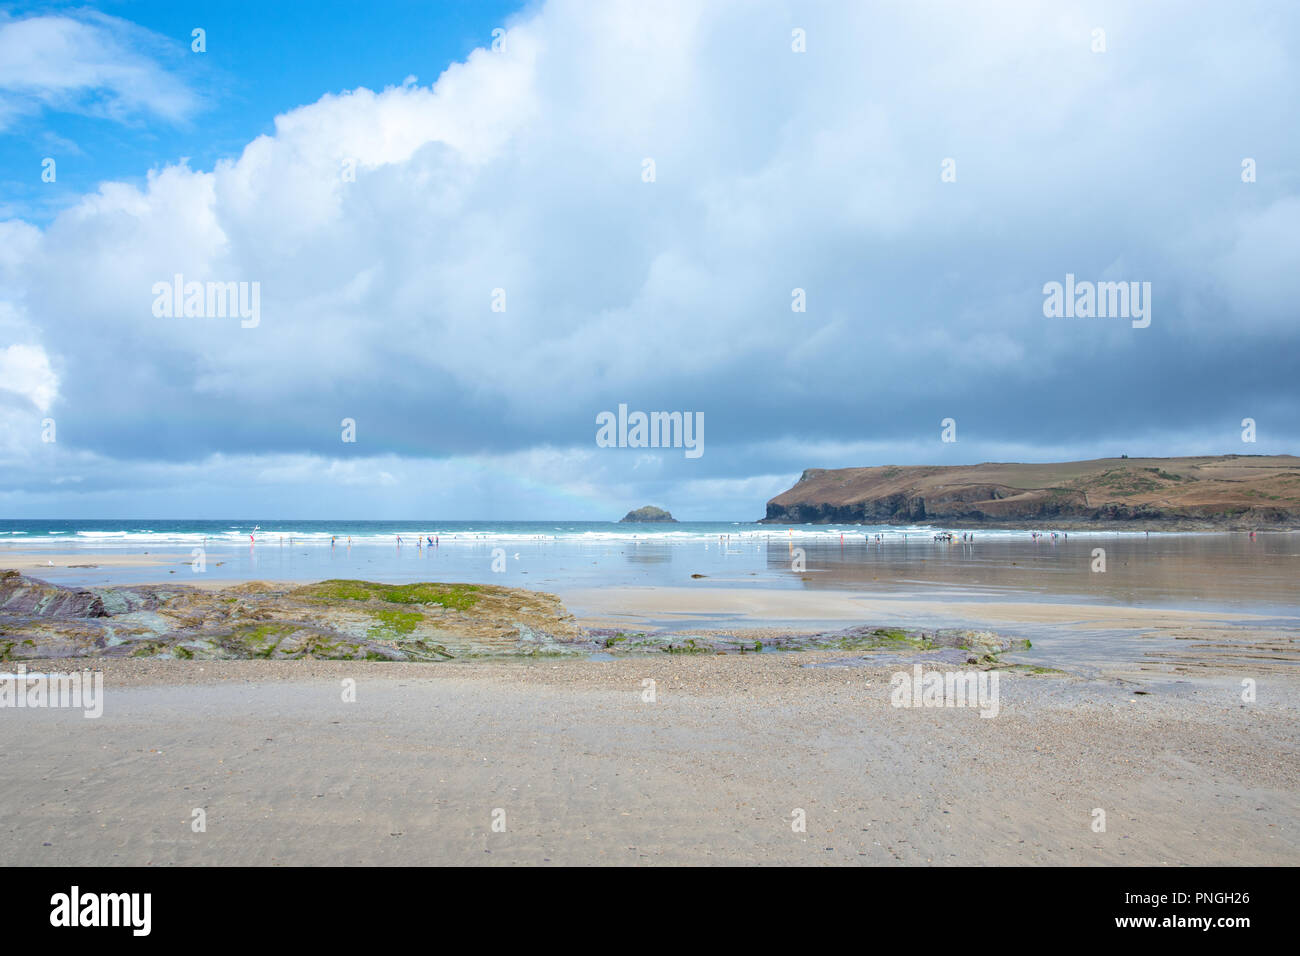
pixel 25 370
pixel 90 63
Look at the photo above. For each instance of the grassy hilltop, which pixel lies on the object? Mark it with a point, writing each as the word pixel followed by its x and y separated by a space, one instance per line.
pixel 1224 491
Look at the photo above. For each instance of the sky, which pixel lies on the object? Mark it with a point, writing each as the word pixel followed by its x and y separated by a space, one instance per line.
pixel 824 230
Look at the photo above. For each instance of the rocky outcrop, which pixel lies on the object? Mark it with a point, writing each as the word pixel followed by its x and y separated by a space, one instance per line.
pixel 1228 491
pixel 30 597
pixel 648 513
pixel 348 620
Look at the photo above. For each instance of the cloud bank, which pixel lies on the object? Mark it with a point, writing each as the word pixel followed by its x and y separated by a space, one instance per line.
pixel 472 271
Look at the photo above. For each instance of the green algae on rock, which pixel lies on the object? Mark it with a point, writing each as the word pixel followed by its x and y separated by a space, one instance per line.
pixel 364 620
pixel 347 620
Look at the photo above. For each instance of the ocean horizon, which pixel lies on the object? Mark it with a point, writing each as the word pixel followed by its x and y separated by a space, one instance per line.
pixel 90 531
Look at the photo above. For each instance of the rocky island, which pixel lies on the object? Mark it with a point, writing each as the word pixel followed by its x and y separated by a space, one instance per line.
pixel 648 513
pixel 1215 492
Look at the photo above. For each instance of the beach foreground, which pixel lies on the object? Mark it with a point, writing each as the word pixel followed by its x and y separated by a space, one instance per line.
pixel 580 768
pixel 349 721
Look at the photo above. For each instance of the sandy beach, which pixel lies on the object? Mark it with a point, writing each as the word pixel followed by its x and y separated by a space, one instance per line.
pixel 587 772
pixel 1130 714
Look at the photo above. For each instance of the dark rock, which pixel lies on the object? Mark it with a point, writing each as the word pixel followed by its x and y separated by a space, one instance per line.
pixel 648 513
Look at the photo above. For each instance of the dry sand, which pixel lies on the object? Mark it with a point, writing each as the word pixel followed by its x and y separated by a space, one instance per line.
pixel 587 772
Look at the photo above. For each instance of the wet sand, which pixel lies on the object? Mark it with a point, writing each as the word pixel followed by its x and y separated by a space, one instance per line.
pixel 587 772
pixel 36 560
pixel 1221 572
pixel 612 606
pixel 1091 639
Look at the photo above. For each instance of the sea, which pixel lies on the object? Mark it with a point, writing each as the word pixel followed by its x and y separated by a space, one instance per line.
pixel 1205 571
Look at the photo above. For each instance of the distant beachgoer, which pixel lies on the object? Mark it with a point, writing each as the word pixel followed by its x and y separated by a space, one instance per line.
pixel 430 540
pixel 331 541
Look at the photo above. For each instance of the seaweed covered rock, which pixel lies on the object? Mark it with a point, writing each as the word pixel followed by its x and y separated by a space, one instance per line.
pixel 349 620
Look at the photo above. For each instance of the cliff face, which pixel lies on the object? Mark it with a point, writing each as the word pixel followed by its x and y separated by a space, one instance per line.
pixel 1213 492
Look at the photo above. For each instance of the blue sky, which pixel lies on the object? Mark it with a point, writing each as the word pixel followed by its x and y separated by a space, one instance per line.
pixel 262 59
pixel 387 179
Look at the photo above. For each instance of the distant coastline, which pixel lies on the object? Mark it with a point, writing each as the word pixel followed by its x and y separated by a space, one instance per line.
pixel 1214 493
